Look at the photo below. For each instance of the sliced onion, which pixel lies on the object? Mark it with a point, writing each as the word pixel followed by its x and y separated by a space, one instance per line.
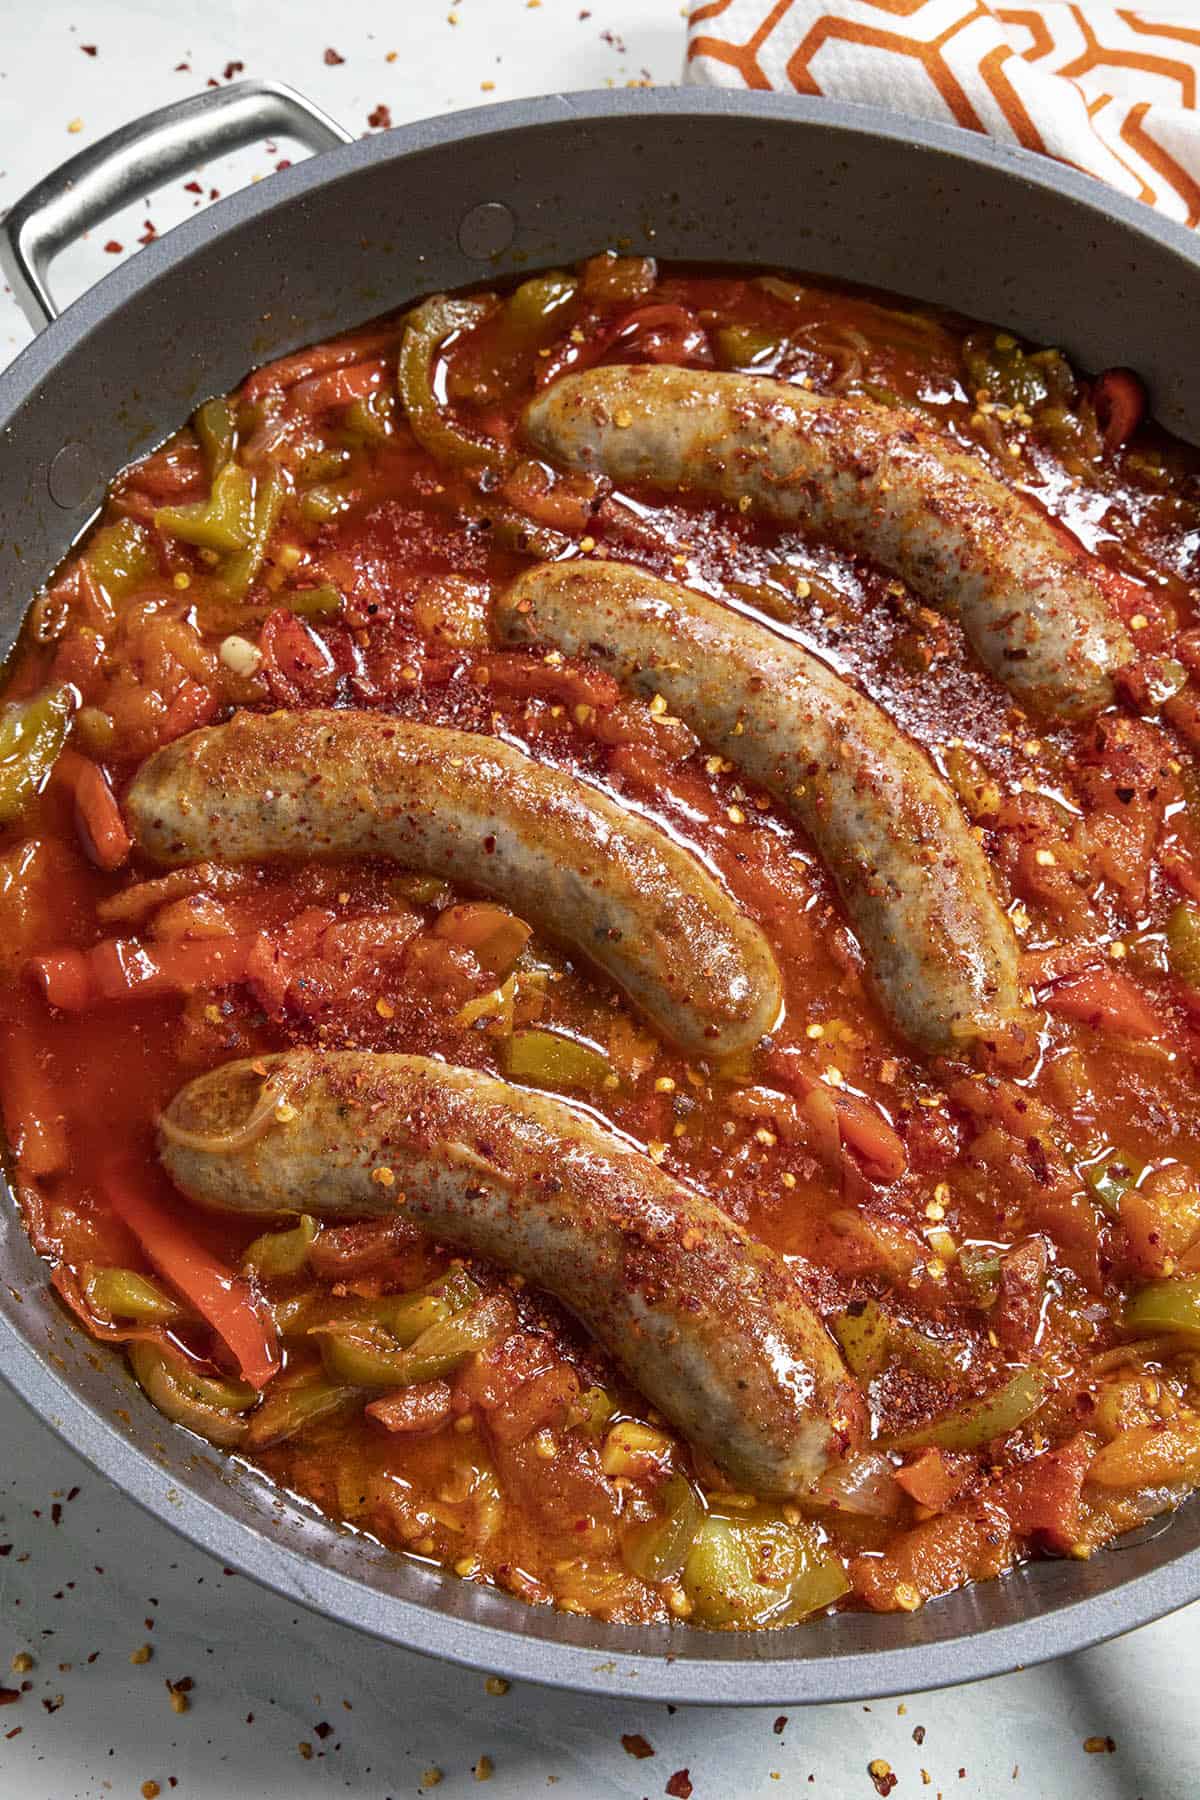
pixel 209 1407
pixel 864 1483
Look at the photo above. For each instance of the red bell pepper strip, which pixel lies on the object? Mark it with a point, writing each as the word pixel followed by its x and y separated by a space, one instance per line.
pixel 34 1121
pixel 302 366
pixel 862 1126
pixel 1181 874
pixel 97 816
pixel 1120 402
pixel 1042 1497
pixel 931 1479
pixel 336 387
pixel 241 1320
pixel 1105 1000
pixel 124 969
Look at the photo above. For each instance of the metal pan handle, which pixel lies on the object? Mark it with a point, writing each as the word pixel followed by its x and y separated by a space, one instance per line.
pixel 136 158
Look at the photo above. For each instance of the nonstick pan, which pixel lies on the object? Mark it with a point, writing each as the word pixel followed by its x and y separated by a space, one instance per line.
pixel 801 184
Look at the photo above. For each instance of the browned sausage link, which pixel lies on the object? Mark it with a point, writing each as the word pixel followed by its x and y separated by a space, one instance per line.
pixel 878 480
pixel 476 811
pixel 912 875
pixel 708 1323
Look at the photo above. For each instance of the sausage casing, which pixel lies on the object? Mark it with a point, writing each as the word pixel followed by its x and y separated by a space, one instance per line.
pixel 477 811
pixel 879 480
pixel 912 875
pixel 709 1324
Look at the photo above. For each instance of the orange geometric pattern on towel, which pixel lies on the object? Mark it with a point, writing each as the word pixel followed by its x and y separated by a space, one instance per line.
pixel 1107 89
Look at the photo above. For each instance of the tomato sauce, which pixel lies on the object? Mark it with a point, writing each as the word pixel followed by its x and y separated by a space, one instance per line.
pixel 1010 1261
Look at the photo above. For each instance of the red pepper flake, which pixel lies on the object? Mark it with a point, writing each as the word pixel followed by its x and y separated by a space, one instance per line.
pixel 779 1725
pixel 71 1493
pixel 56 1513
pixel 322 1730
pixel 883 1777
pixel 679 1787
pixel 380 119
pixel 284 163
pixel 231 69
pixel 88 49
pixel 149 232
pixel 114 246
pixel 5 1549
pixel 634 1744
pixel 183 68
pixel 1100 1746
pixel 192 187
pixel 214 193
pixel 333 59
pixel 9 1696
pixel 15 1732
pixel 918 1734
pixel 212 82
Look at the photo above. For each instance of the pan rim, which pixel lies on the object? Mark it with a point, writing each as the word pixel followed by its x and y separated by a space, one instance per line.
pixel 755 1677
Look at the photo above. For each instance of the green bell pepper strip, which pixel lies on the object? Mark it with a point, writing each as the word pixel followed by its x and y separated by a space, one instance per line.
pixel 1183 943
pixel 364 1354
pixel 287 1411
pixel 241 569
pixel 870 1341
pixel 749 346
pixel 278 1253
pixel 531 313
pixel 369 419
pixel 428 328
pixel 1014 376
pixel 863 1333
pixel 124 1294
pixel 32 733
pixel 209 1407
pixel 121 557
pixel 977 1422
pixel 315 602
pixel 980 1269
pixel 725 1587
pixel 1165 1306
pixel 215 426
pixel 1111 1177
pixel 224 521
pixel 553 1061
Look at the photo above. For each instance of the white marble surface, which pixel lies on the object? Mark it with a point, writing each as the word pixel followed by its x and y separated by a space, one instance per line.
pixel 84 1586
